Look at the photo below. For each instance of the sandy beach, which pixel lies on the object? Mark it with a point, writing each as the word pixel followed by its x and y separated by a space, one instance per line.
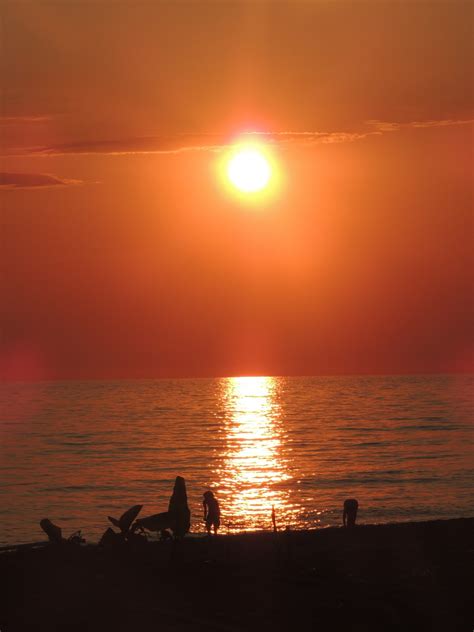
pixel 384 577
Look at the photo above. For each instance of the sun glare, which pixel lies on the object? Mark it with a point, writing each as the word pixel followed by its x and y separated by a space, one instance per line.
pixel 255 472
pixel 249 170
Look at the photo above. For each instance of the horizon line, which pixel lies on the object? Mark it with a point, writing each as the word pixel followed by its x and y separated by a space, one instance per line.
pixel 453 372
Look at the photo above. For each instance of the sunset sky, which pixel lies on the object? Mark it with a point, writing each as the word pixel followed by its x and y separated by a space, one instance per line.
pixel 125 254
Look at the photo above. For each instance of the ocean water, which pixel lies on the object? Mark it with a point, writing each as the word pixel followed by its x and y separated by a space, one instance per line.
pixel 76 452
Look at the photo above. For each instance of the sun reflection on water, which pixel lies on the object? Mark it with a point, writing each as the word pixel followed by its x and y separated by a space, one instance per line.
pixel 252 475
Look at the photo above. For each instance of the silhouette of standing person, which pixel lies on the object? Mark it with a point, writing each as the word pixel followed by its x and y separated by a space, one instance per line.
pixel 349 514
pixel 180 516
pixel 212 512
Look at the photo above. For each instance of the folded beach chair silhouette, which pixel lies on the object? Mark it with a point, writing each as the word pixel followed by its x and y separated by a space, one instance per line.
pixel 125 521
pixel 156 522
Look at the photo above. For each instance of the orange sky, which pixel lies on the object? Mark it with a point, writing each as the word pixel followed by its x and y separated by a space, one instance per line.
pixel 123 255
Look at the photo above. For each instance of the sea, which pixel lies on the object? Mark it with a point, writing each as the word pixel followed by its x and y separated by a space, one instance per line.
pixel 77 452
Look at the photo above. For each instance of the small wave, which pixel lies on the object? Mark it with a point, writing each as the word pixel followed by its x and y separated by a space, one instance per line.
pixel 428 428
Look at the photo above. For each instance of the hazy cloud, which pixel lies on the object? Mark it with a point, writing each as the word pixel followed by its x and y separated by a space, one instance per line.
pixel 140 145
pixel 19 120
pixel 217 142
pixel 389 126
pixel 32 181
pixel 185 142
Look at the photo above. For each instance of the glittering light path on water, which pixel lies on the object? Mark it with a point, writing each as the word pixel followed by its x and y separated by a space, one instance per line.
pixel 254 463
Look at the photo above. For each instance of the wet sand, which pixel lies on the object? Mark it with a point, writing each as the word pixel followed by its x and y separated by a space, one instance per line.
pixel 385 577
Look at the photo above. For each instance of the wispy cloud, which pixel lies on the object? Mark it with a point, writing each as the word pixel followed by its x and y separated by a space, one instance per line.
pixel 138 145
pixel 312 137
pixel 217 142
pixel 21 120
pixel 188 142
pixel 11 181
pixel 389 126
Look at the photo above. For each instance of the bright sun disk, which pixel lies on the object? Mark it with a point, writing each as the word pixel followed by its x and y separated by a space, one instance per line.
pixel 249 170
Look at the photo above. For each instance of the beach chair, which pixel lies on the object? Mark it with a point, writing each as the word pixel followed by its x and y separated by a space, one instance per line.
pixel 53 532
pixel 125 521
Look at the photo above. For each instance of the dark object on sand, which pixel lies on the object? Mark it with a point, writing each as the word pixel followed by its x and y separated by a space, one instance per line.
pixel 349 514
pixel 55 535
pixel 165 535
pixel 177 518
pixel 76 538
pixel 111 538
pixel 156 522
pixel 212 512
pixel 180 516
pixel 274 519
pixel 125 521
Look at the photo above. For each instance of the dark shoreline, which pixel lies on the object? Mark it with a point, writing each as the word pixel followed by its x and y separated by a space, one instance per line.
pixel 375 577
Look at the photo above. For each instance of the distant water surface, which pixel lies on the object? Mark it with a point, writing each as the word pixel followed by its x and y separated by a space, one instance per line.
pixel 76 452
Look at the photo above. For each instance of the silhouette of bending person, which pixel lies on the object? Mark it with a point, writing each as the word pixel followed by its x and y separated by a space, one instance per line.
pixel 349 514
pixel 212 512
pixel 179 514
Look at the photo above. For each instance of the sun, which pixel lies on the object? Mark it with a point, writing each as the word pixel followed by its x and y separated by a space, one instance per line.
pixel 249 170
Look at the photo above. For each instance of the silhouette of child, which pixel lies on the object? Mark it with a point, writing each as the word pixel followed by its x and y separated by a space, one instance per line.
pixel 349 514
pixel 212 513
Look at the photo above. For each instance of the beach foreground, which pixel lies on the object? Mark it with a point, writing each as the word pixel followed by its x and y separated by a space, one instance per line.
pixel 385 577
